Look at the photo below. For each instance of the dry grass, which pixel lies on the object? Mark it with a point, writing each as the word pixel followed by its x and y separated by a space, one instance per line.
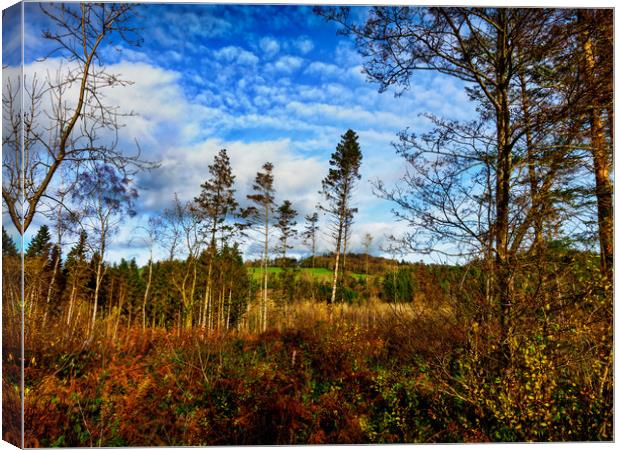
pixel 370 315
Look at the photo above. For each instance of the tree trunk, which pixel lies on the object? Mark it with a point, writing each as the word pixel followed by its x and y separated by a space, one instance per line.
pixel 229 306
pixel 98 280
pixel 220 308
pixel 265 273
pixel 129 315
pixel 344 253
pixel 504 169
pixel 121 302
pixel 600 158
pixel 531 167
pixel 146 294
pixel 206 320
pixel 50 287
pixel 191 297
pixel 335 280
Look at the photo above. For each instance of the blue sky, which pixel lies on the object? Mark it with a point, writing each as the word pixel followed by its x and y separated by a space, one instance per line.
pixel 269 83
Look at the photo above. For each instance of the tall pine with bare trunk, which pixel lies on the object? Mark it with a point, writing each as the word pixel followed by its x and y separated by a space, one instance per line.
pixel 286 222
pixel 309 233
pixel 216 204
pixel 337 188
pixel 259 216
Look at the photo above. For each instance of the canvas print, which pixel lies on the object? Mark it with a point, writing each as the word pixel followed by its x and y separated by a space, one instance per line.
pixel 294 224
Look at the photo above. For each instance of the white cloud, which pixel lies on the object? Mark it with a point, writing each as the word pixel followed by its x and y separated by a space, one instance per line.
pixel 354 116
pixel 182 24
pixel 346 55
pixel 357 73
pixel 324 69
pixel 126 54
pixel 173 56
pixel 304 45
pixel 287 64
pixel 232 54
pixel 270 46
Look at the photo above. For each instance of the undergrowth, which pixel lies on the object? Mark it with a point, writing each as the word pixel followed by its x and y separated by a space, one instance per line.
pixel 319 383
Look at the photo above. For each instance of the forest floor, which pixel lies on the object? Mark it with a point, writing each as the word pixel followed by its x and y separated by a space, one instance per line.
pixel 322 383
pixel 375 375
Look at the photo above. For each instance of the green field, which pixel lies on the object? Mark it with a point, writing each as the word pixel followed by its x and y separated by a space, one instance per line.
pixel 319 272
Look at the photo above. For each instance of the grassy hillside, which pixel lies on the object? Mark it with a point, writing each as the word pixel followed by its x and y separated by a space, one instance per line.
pixel 318 272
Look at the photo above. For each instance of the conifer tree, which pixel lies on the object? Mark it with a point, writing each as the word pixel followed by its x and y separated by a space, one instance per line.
pixel 215 205
pixel 309 233
pixel 40 244
pixel 8 246
pixel 338 188
pixel 348 223
pixel 285 216
pixel 36 269
pixel 260 216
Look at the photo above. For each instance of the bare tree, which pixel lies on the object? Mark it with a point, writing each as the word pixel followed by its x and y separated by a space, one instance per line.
pixel 104 199
pixel 150 238
pixel 184 226
pixel 487 48
pixel 596 42
pixel 367 242
pixel 65 115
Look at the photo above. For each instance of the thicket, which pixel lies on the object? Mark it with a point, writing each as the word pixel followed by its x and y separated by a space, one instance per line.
pixel 422 376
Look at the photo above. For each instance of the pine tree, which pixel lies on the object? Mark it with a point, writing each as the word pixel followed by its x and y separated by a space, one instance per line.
pixel 285 215
pixel 135 287
pixel 309 233
pixel 260 216
pixel 338 188
pixel 77 253
pixel 215 205
pixel 8 246
pixel 40 244
pixel 36 268
pixel 348 223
